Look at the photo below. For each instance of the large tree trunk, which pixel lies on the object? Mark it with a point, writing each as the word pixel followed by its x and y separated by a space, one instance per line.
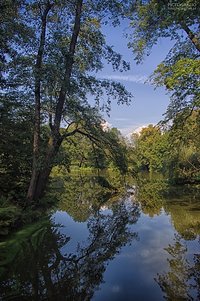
pixel 40 176
pixel 37 122
pixel 43 176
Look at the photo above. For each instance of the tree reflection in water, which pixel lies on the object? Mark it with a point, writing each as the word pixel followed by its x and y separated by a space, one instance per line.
pixel 182 282
pixel 40 270
pixel 149 194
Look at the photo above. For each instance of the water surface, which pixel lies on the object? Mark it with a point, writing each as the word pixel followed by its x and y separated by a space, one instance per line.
pixel 107 246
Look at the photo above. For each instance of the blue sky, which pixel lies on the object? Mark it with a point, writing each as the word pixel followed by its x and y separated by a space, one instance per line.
pixel 148 104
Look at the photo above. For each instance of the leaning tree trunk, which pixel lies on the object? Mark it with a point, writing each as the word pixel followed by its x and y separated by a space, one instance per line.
pixel 40 176
pixel 53 148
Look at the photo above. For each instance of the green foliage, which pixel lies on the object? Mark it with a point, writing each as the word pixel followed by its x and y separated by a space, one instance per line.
pixel 152 20
pixel 150 149
pixel 91 49
pixel 15 145
pixel 185 147
pixel 49 57
pixel 179 72
pixel 182 79
pixel 8 218
pixel 118 150
pixel 175 152
pixel 94 147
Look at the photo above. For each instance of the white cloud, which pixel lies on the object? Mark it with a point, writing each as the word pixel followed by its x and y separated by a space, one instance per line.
pixel 135 78
pixel 128 131
pixel 138 130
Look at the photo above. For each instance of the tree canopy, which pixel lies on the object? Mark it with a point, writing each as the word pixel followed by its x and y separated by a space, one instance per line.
pixel 179 72
pixel 50 58
pixel 175 152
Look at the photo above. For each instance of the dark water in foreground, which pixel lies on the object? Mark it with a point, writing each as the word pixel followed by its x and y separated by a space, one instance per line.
pixel 132 246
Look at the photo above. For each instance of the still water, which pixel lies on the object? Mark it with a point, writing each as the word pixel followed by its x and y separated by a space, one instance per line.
pixel 106 245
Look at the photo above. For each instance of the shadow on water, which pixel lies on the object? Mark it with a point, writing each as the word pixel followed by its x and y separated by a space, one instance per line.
pixel 37 264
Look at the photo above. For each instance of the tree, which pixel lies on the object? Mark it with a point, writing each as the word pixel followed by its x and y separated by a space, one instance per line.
pixel 183 141
pixel 181 78
pixel 117 150
pixel 150 147
pixel 84 151
pixel 53 67
pixel 175 151
pixel 179 72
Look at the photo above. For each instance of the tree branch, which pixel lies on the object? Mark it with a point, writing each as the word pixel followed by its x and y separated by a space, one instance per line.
pixel 194 39
pixel 92 138
pixel 68 66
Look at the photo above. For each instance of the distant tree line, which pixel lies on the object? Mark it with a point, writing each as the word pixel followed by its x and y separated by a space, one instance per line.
pixel 175 151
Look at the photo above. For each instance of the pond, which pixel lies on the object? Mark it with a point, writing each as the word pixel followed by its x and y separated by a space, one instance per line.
pixel 140 242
